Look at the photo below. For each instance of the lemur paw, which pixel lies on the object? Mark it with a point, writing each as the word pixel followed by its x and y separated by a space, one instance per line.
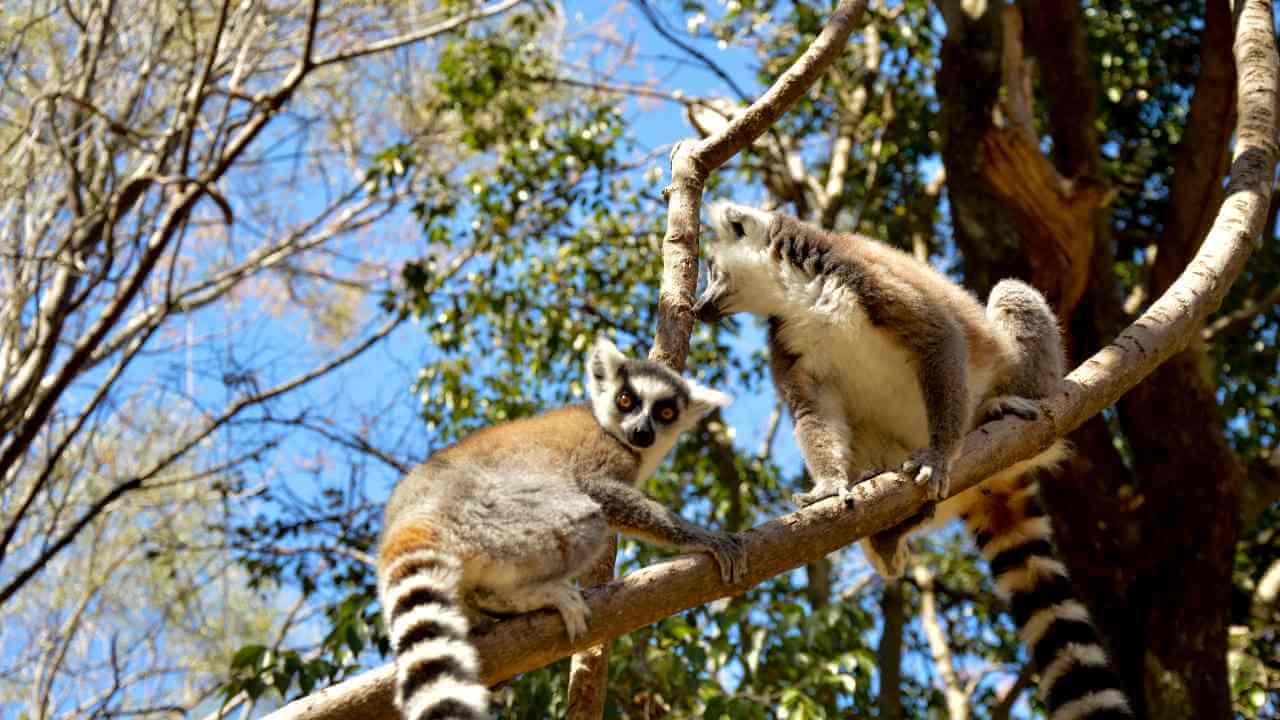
pixel 925 469
pixel 574 611
pixel 1005 405
pixel 824 489
pixel 887 554
pixel 727 549
pixel 887 550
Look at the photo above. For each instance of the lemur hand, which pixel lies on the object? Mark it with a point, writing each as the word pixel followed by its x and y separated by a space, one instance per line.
pixel 728 552
pixel 824 488
pixel 930 468
pixel 1003 406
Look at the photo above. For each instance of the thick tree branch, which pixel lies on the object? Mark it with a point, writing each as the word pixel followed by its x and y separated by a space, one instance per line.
pixel 1054 212
pixel 589 669
pixel 1173 321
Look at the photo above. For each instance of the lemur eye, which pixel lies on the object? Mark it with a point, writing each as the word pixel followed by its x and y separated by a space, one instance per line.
pixel 667 414
pixel 625 401
pixel 738 228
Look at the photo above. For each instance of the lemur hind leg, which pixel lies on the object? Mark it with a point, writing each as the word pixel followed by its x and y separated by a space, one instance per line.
pixel 1031 330
pixel 519 566
pixel 1003 406
pixel 559 595
pixel 887 550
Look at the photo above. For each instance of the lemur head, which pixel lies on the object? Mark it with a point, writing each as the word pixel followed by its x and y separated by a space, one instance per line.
pixel 643 403
pixel 738 269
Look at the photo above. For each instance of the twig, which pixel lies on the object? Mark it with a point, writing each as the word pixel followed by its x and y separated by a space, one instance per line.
pixel 659 25
pixel 1241 318
pixel 431 31
pixel 1002 711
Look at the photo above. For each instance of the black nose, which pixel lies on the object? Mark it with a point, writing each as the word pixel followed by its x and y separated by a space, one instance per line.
pixel 706 311
pixel 640 437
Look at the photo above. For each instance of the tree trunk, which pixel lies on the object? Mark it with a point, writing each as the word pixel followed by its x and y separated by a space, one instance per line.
pixel 1149 548
pixel 889 654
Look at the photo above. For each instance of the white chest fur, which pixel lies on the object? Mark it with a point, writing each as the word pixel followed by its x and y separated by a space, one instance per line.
pixel 875 376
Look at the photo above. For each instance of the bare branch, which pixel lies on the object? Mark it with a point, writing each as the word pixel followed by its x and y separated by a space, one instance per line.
pixel 428 32
pixel 658 23
pixel 889 652
pixel 1263 607
pixel 1025 675
pixel 1242 318
pixel 137 483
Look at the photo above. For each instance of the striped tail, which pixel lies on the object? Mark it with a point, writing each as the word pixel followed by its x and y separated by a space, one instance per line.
pixel 1014 534
pixel 437 669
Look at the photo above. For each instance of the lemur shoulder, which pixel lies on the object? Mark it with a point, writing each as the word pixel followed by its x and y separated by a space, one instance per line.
pixel 885 363
pixel 503 521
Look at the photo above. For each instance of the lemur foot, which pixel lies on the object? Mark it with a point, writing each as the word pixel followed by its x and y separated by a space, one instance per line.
pixel 887 550
pixel 1005 405
pixel 926 469
pixel 573 610
pixel 727 549
pixel 823 489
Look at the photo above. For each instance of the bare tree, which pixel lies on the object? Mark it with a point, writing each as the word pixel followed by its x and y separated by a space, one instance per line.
pixel 124 151
pixel 173 174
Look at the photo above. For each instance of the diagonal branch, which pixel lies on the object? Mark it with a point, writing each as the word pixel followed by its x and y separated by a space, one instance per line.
pixel 1240 319
pixel 139 482
pixel 425 33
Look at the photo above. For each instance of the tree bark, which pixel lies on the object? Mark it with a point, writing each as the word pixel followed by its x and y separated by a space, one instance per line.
pixel 589 669
pixel 889 653
pixel 969 79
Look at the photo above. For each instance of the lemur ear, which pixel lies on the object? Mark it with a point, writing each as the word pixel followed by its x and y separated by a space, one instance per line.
pixel 603 361
pixel 703 400
pixel 734 222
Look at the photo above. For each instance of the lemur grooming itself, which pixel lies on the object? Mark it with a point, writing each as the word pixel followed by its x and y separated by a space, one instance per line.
pixel 504 520
pixel 884 363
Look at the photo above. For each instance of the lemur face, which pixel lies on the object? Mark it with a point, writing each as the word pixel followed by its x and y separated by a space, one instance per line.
pixel 736 261
pixel 642 403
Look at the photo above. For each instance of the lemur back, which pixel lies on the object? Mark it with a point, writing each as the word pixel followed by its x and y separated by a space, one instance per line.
pixel 504 520
pixel 885 364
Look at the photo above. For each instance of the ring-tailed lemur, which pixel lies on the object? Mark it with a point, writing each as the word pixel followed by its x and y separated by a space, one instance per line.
pixel 885 363
pixel 505 519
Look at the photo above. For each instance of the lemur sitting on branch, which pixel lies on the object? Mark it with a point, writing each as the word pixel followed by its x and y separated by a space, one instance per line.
pixel 885 364
pixel 503 521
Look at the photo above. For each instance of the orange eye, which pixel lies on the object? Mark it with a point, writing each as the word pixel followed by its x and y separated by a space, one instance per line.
pixel 625 401
pixel 667 414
